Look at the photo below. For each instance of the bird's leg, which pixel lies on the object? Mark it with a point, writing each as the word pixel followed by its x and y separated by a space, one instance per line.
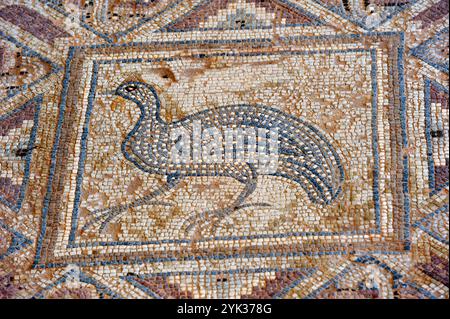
pixel 215 216
pixel 219 215
pixel 108 214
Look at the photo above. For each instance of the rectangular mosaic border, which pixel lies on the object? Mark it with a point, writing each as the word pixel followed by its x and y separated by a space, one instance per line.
pixel 63 103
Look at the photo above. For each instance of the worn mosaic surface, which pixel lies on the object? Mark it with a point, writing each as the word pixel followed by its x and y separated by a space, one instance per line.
pixel 92 207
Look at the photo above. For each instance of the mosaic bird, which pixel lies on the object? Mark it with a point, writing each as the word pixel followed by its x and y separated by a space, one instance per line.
pixel 304 154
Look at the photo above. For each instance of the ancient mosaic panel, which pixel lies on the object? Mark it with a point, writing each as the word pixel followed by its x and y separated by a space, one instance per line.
pixel 224 149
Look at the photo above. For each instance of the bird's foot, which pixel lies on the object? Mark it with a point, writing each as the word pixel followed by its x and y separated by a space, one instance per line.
pixel 191 225
pixel 211 220
pixel 214 223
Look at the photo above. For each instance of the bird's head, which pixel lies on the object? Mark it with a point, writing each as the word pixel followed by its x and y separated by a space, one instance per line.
pixel 138 92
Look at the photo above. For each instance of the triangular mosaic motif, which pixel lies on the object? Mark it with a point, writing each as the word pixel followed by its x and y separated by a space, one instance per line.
pixel 21 67
pixel 435 224
pixel 436 122
pixel 248 284
pixel 17 138
pixel 243 14
pixel 368 14
pixel 434 51
pixel 76 285
pixel 112 19
pixel 370 278
pixel 10 241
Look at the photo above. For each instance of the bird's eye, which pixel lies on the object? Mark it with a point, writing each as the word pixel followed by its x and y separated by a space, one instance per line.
pixel 131 88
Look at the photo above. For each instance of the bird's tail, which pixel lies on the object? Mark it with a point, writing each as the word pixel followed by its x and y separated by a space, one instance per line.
pixel 310 160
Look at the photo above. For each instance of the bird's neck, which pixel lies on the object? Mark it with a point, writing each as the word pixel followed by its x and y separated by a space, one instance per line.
pixel 152 124
pixel 151 110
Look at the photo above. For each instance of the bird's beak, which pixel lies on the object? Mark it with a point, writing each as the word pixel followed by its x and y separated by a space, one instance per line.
pixel 117 91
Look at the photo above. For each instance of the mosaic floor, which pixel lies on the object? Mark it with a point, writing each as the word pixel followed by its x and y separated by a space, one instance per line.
pixel 93 204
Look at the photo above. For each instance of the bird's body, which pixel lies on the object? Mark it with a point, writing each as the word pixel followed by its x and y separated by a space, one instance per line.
pixel 303 153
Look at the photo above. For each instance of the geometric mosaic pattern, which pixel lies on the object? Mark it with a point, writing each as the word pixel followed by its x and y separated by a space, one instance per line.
pixel 12 241
pixel 368 14
pixel 229 15
pixel 21 67
pixel 92 207
pixel 434 51
pixel 436 121
pixel 18 132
